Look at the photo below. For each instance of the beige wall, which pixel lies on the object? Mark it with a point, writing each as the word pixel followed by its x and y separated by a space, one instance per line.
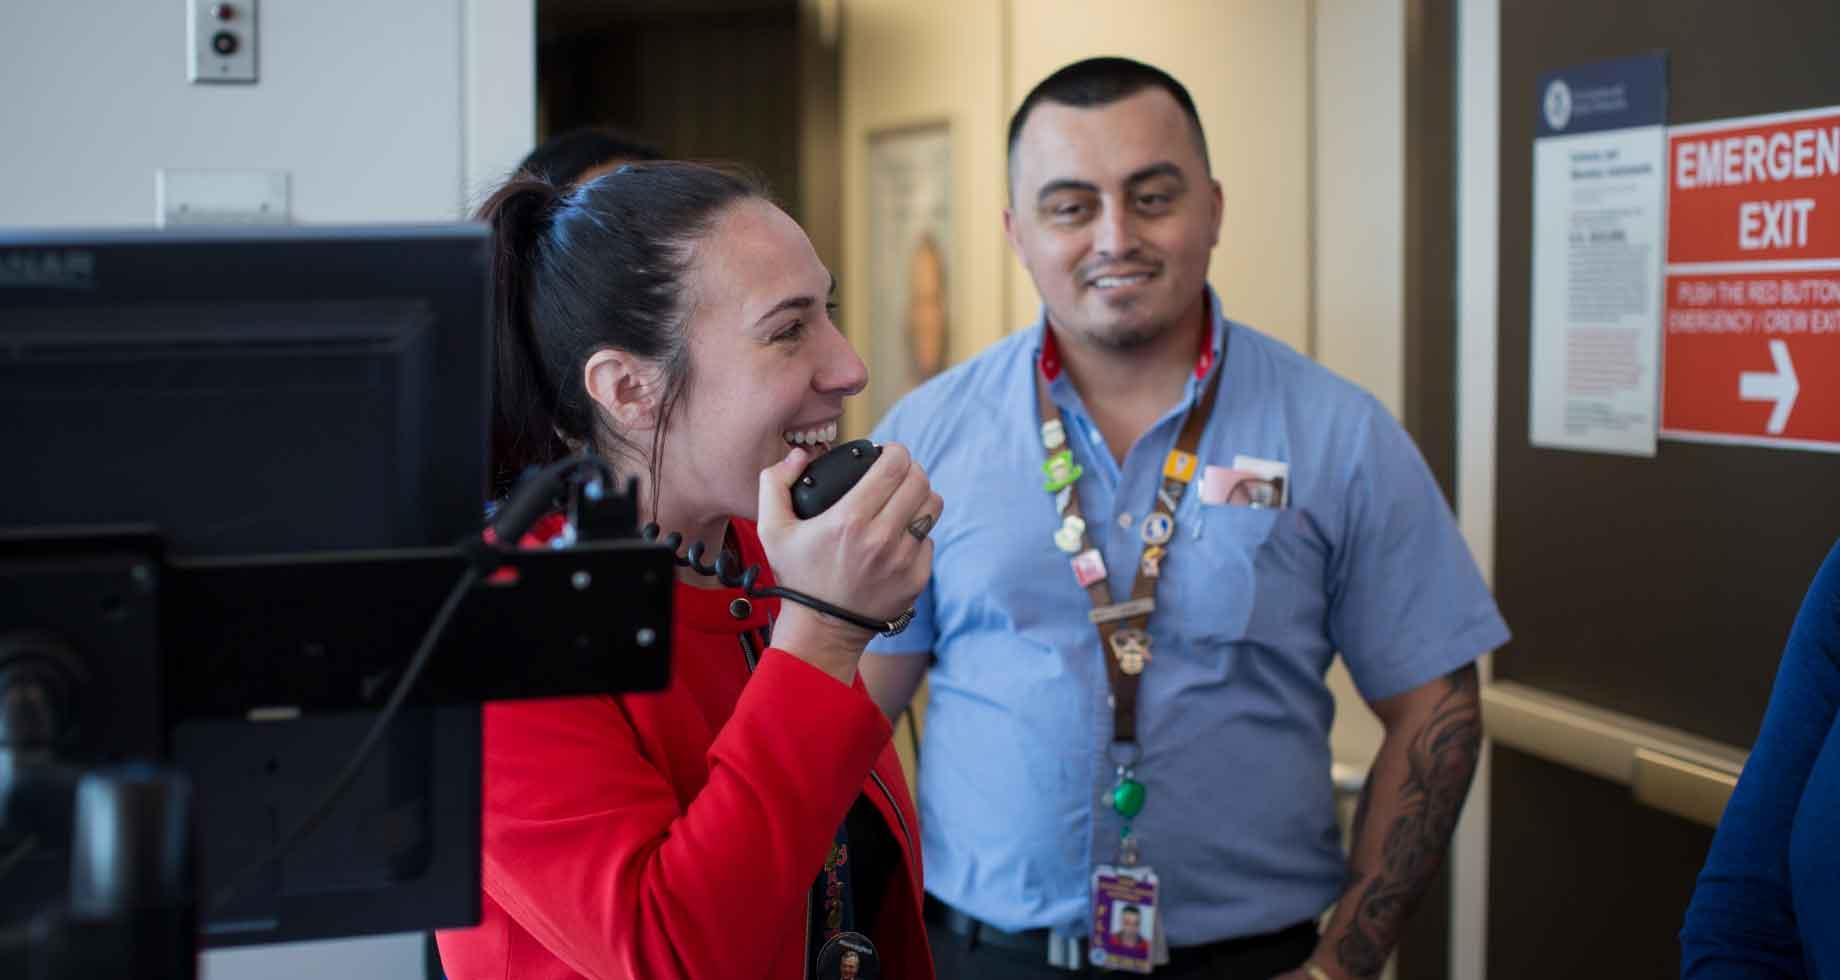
pixel 1358 222
pixel 1359 212
pixel 906 63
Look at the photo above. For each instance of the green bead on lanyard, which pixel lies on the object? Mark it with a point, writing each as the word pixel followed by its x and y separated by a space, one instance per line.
pixel 1128 798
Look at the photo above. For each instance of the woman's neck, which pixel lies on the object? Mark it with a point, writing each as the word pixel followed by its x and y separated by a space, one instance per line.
pixel 710 529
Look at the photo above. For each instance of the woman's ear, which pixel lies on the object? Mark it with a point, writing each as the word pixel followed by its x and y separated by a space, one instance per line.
pixel 625 387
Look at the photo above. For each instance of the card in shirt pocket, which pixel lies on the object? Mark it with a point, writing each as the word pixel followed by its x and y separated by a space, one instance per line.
pixel 1249 482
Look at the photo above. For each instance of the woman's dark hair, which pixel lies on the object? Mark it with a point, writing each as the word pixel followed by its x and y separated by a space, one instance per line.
pixel 563 158
pixel 575 272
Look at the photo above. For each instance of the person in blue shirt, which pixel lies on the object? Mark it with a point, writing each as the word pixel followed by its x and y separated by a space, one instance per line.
pixel 1768 901
pixel 1302 523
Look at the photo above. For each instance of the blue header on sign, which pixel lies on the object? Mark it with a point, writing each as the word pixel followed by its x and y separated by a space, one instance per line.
pixel 1616 94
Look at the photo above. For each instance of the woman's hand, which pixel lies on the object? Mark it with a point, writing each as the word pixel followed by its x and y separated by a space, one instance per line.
pixel 860 554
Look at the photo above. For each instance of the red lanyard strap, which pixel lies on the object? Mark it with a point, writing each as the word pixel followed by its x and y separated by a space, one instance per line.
pixel 1124 636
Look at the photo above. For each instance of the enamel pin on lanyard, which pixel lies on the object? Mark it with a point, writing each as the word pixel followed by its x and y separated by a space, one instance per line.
pixel 1124 924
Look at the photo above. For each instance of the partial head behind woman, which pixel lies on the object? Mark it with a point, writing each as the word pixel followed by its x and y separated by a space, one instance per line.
pixel 580 155
pixel 671 317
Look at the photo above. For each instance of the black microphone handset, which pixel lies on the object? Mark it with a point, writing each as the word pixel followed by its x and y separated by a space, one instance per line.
pixel 824 482
pixel 830 476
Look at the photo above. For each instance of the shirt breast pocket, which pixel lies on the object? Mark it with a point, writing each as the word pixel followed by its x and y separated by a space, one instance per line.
pixel 1255 575
pixel 1212 570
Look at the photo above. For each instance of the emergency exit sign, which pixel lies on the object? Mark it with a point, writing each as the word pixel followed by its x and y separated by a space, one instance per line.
pixel 1751 349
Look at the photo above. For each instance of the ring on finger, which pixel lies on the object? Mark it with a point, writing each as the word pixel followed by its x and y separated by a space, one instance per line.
pixel 921 526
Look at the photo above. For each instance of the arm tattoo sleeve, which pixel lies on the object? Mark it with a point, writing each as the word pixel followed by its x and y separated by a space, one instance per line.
pixel 1441 758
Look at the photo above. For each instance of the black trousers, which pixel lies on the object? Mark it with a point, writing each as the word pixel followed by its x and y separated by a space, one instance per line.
pixel 957 957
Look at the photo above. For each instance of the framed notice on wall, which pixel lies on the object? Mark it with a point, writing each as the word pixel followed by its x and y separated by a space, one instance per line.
pixel 910 248
pixel 1599 192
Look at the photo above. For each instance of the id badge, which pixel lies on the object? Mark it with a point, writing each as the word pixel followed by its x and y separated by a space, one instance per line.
pixel 1124 925
pixel 849 956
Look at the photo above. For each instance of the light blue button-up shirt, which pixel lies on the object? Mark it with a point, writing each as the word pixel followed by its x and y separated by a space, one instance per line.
pixel 1233 712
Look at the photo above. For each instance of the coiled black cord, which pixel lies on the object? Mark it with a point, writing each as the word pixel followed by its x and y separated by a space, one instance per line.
pixel 728 571
pixel 536 495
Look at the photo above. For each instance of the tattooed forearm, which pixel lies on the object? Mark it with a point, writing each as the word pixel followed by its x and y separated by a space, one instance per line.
pixel 1418 815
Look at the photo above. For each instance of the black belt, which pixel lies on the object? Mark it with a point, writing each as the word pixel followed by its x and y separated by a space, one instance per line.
pixel 1038 942
pixel 983 933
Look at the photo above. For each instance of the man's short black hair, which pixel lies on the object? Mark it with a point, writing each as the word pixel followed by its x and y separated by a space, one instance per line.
pixel 1101 82
pixel 563 158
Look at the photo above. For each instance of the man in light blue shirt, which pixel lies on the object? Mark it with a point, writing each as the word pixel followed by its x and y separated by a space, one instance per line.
pixel 1309 526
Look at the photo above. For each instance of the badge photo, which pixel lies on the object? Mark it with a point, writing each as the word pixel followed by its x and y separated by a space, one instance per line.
pixel 1270 486
pixel 1241 488
pixel 1221 486
pixel 1124 918
pixel 849 956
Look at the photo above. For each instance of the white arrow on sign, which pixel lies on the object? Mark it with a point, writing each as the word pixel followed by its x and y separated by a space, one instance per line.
pixel 1780 387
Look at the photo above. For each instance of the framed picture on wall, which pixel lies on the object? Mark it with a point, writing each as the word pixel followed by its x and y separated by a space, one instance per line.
pixel 910 248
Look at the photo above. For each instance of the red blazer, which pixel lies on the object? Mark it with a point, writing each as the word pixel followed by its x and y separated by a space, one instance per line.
pixel 677 834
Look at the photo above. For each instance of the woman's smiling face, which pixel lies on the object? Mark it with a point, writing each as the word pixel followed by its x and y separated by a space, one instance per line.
pixel 769 368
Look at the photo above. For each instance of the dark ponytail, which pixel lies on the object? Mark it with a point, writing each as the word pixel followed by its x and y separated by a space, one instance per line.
pixel 524 402
pixel 595 268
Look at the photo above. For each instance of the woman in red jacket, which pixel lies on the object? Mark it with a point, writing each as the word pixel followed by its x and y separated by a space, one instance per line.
pixel 750 821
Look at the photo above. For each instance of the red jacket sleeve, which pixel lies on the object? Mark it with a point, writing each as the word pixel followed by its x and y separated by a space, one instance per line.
pixel 587 847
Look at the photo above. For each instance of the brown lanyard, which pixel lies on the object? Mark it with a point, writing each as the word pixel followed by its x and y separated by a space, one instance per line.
pixel 1123 633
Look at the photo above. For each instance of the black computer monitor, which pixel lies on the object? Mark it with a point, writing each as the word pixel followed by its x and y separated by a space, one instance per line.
pixel 260 403
pixel 192 379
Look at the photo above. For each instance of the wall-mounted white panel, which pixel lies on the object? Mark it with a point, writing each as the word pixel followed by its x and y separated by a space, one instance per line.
pixel 360 103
